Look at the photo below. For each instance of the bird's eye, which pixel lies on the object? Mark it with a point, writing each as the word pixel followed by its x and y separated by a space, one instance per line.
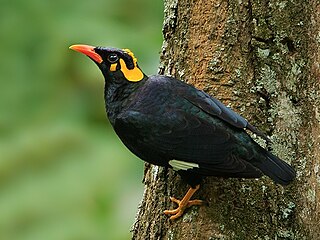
pixel 112 58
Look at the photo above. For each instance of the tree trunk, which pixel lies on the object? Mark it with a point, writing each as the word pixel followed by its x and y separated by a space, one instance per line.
pixel 262 59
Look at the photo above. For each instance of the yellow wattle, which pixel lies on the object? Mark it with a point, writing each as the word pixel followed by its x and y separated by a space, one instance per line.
pixel 133 75
pixel 113 67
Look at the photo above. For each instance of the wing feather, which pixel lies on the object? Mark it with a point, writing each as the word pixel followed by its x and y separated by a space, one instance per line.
pixel 187 138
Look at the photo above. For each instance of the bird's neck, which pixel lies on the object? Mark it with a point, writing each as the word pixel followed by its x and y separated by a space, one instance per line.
pixel 118 95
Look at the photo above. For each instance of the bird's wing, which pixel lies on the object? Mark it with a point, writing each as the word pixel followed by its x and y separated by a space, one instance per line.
pixel 214 107
pixel 185 141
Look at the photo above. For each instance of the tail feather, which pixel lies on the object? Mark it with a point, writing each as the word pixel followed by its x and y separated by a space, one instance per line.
pixel 272 166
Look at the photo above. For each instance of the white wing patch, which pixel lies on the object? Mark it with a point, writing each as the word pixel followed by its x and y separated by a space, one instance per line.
pixel 181 165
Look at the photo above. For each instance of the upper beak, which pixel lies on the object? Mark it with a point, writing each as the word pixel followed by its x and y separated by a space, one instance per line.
pixel 87 50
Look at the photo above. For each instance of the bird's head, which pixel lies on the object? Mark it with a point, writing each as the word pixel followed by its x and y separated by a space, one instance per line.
pixel 113 62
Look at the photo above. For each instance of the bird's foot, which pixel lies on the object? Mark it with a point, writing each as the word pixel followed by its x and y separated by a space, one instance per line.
pixel 183 204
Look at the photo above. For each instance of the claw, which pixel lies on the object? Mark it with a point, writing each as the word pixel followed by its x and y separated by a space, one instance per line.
pixel 183 204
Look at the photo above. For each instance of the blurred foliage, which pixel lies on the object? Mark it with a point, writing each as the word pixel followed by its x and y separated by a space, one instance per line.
pixel 63 172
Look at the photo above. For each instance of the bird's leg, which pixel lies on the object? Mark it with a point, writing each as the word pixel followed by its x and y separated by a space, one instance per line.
pixel 183 204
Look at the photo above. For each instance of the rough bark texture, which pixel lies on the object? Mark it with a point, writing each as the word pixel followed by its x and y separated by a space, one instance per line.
pixel 261 58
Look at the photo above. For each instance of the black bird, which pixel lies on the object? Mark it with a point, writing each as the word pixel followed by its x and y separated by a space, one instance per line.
pixel 169 123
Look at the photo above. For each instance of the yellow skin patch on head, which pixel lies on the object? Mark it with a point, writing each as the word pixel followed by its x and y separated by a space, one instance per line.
pixel 113 67
pixel 132 75
pixel 135 60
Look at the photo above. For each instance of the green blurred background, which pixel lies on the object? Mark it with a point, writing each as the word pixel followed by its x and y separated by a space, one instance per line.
pixel 63 172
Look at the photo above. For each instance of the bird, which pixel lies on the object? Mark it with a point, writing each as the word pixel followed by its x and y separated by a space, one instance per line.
pixel 169 123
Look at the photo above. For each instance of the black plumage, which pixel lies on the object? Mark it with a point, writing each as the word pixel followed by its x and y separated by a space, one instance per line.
pixel 166 119
pixel 169 123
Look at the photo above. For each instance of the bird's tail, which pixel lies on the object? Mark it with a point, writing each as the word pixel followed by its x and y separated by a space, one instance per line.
pixel 272 166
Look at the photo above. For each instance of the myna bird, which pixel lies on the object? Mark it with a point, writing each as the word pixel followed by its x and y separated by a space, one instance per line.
pixel 169 123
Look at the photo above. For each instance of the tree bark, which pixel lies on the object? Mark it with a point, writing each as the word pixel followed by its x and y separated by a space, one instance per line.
pixel 262 59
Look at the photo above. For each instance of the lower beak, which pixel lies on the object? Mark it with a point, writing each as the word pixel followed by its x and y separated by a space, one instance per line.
pixel 87 50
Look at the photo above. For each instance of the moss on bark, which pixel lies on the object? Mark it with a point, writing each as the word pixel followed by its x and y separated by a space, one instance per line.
pixel 262 59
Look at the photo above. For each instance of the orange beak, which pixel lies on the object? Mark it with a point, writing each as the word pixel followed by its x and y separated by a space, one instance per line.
pixel 87 50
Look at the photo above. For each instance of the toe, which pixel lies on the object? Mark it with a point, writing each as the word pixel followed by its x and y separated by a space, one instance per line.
pixel 173 199
pixel 179 214
pixel 195 202
pixel 171 212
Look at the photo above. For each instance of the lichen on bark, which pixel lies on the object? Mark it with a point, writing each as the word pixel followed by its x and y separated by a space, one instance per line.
pixel 262 59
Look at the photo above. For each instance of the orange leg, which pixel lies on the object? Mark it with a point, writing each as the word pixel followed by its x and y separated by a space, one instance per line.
pixel 183 204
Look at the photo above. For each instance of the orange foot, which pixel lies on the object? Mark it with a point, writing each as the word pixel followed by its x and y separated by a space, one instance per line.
pixel 183 204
